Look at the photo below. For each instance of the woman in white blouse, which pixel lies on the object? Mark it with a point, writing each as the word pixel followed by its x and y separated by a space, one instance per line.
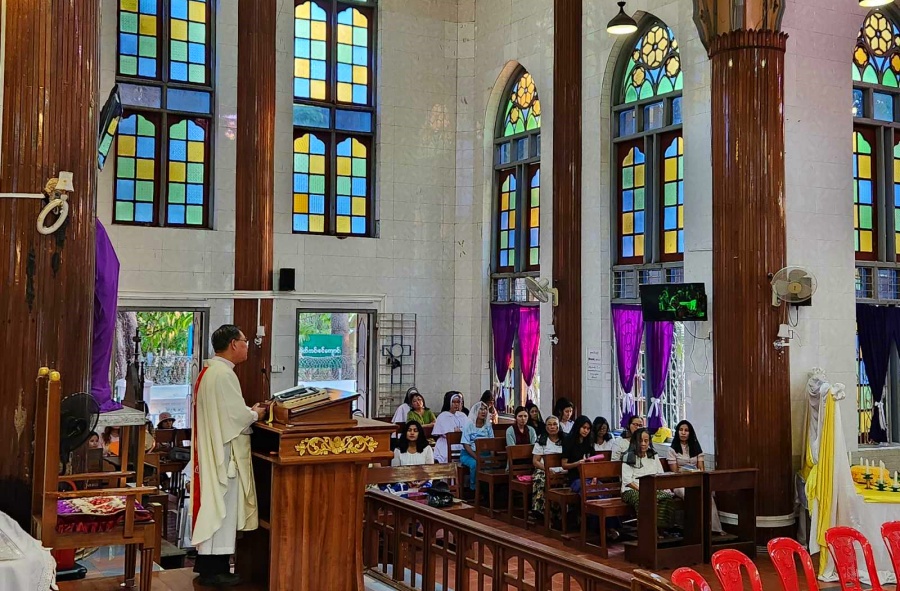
pixel 642 460
pixel 686 454
pixel 550 442
pixel 452 418
pixel 413 448
pixel 603 439
pixel 565 410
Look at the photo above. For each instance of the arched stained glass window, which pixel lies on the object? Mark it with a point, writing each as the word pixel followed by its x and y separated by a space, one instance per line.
pixel 523 107
pixel 334 106
pixel 164 74
pixel 654 67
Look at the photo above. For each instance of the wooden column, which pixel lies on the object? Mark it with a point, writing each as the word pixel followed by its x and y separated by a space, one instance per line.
pixel 49 124
pixel 255 178
pixel 567 199
pixel 752 390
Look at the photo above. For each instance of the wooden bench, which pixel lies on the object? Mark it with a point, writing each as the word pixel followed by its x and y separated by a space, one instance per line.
pixel 520 464
pixel 433 472
pixel 601 495
pixel 557 491
pixel 490 459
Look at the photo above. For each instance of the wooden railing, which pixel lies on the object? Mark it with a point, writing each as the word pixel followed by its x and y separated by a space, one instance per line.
pixel 413 546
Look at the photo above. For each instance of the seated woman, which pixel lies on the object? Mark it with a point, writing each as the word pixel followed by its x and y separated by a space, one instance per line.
pixel 534 418
pixel 487 400
pixel 642 460
pixel 452 418
pixel 110 439
pixel 620 446
pixel 166 421
pixel 578 446
pixel 403 409
pixel 550 442
pixel 686 454
pixel 565 410
pixel 603 439
pixel 412 448
pixel 477 428
pixel 520 432
pixel 419 412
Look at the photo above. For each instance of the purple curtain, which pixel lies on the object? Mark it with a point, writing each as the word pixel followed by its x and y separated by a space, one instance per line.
pixel 106 292
pixel 529 340
pixel 504 323
pixel 660 336
pixel 628 327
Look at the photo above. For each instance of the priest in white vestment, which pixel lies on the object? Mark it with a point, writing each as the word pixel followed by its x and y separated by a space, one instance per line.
pixel 223 494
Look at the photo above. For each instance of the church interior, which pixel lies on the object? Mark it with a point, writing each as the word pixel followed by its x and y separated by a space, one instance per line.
pixel 508 294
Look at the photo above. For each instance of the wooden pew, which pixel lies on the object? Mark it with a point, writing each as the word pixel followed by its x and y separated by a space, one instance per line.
pixel 741 486
pixel 434 472
pixel 601 495
pixel 557 491
pixel 490 458
pixel 520 464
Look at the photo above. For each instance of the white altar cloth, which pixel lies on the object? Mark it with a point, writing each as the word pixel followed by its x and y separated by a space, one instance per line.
pixel 32 568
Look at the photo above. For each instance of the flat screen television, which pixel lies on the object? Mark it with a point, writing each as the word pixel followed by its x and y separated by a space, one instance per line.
pixel 673 301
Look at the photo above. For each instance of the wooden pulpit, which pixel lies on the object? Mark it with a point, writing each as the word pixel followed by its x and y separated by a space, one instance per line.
pixel 310 482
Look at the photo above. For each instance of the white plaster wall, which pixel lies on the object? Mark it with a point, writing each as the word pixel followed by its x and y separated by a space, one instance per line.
pixel 818 191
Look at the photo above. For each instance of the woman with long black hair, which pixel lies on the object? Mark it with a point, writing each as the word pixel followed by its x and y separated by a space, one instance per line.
pixel 685 454
pixel 578 446
pixel 412 448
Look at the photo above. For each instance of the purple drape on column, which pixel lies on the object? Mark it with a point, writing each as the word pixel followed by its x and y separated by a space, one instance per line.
pixel 504 323
pixel 106 292
pixel 660 336
pixel 529 340
pixel 876 332
pixel 628 328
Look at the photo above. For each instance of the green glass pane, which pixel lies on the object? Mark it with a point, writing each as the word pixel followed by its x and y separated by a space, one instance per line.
pixel 509 130
pixel 147 47
pixel 627 177
pixel 671 194
pixel 512 200
pixel 862 146
pixel 889 79
pixel 535 257
pixel 869 75
pixel 531 122
pixel 124 211
pixel 856 241
pixel 679 81
pixel 317 184
pixel 128 65
pixel 176 193
pixel 196 74
pixel 343 185
pixel 681 168
pixel 195 173
pixel 145 128
pixel 144 191
pixel 646 90
pixel 855 192
pixel 536 198
pixel 360 37
pixel 301 162
pixel 856 77
pixel 194 215
pixel 897 218
pixel 104 144
pixel 179 131
pixel 512 258
pixel 630 94
pixel 124 167
pixel 359 167
pixel 638 199
pixel 128 22
pixel 504 239
pixel 865 217
pixel 665 85
pixel 179 51
pixel 317 50
pixel 197 32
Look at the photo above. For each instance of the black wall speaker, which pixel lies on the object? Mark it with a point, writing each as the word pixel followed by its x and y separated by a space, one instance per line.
pixel 286 280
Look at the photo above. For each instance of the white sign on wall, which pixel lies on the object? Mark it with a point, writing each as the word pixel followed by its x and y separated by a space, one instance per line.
pixel 594 366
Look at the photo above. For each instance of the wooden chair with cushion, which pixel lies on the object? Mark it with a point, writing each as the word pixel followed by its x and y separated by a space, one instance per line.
pixel 557 492
pixel 490 469
pixel 108 516
pixel 521 471
pixel 601 495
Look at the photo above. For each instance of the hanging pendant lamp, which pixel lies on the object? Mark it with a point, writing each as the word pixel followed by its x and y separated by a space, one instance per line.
pixel 874 3
pixel 622 24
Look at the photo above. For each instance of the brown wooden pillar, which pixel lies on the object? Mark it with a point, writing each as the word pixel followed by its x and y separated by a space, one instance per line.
pixel 255 178
pixel 752 390
pixel 567 353
pixel 47 295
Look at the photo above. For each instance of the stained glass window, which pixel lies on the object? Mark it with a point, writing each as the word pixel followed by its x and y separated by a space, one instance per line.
pixel 876 58
pixel 506 222
pixel 631 174
pixel 654 67
pixel 523 107
pixel 863 197
pixel 673 198
pixel 897 199
pixel 534 217
pixel 334 117
pixel 165 83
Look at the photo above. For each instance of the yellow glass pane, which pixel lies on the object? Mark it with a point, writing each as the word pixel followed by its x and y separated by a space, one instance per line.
pixel 345 34
pixel 855 137
pixel 856 218
pixel 897 170
pixel 197 12
pixel 129 5
pixel 317 223
pixel 176 172
pixel 680 145
pixel 317 31
pixel 301 68
pixel 360 74
pixel 627 223
pixel 512 219
pixel 671 243
pixel 897 242
pixel 639 245
pixel 671 173
pixel 535 218
pixel 144 169
pixel 302 11
pixel 504 201
pixel 865 167
pixel 359 206
pixel 343 166
pixel 317 164
pixel 301 203
pixel 680 216
pixel 317 89
pixel 126 145
pixel 148 25
pixel 344 92
pixel 195 152
pixel 359 149
pixel 629 158
pixel 343 224
pixel 865 241
pixel 359 19
pixel 639 176
pixel 301 144
pixel 179 30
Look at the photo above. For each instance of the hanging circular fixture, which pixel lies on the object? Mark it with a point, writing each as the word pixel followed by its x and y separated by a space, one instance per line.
pixel 874 3
pixel 622 24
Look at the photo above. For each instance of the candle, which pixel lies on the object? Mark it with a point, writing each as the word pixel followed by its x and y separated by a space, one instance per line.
pixel 896 482
pixel 850 457
pixel 867 467
pixel 881 471
pixel 860 462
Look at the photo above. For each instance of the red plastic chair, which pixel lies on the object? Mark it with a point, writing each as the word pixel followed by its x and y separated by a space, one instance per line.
pixel 727 566
pixel 890 533
pixel 840 544
pixel 689 580
pixel 783 552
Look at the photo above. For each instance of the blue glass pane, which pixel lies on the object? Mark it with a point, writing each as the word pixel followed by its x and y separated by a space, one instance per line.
pixel 148 6
pixel 353 120
pixel 858 109
pixel 176 214
pixel 503 153
pixel 359 94
pixel 179 70
pixel 195 194
pixel 676 111
pixel 317 204
pixel 359 187
pixel 179 9
pixel 192 101
pixel 865 192
pixel 626 122
pixel 178 150
pixel 653 116
pixel 310 116
pixel 136 95
pixel 343 205
pixel 143 212
pixel 884 106
pixel 627 200
pixel 145 147
pixel 628 246
pixel 534 238
pixel 128 44
pixel 358 225
pixel 147 67
pixel 301 223
pixel 639 222
pixel 897 193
